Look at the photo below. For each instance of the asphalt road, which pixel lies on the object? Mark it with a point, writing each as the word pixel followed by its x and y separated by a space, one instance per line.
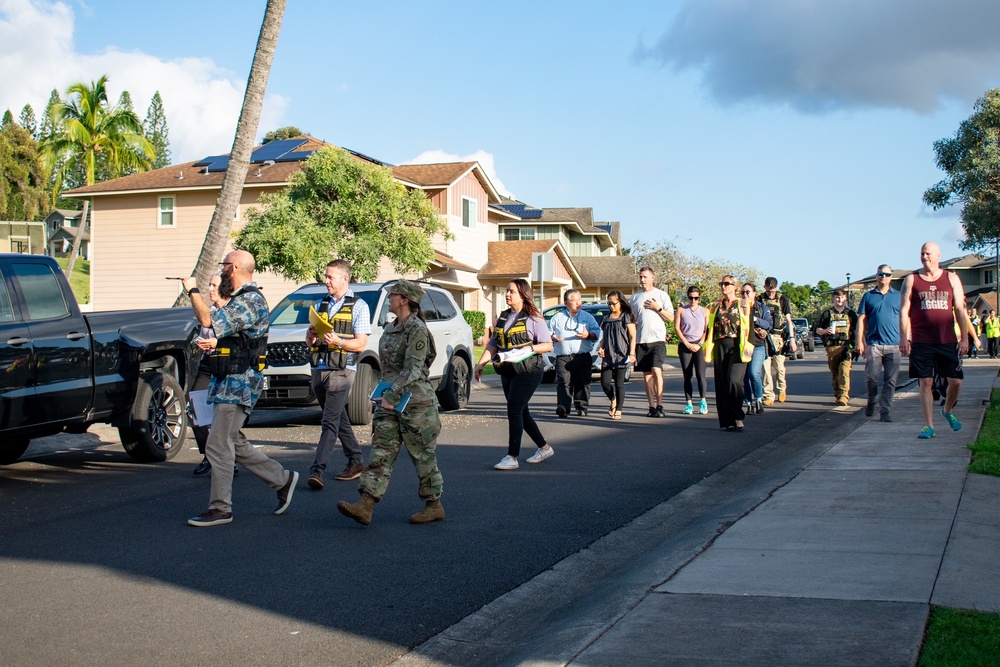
pixel 99 566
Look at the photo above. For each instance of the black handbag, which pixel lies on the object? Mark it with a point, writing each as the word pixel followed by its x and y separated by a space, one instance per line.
pixel 769 345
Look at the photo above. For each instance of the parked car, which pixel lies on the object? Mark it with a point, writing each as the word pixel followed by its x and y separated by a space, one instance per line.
pixel 598 310
pixel 802 332
pixel 287 377
pixel 63 370
pixel 800 343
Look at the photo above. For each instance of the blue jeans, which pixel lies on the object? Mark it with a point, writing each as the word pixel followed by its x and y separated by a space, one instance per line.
pixel 753 382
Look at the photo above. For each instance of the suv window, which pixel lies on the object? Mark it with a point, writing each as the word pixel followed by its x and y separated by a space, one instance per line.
pixel 430 309
pixel 41 292
pixel 6 310
pixel 443 305
pixel 294 309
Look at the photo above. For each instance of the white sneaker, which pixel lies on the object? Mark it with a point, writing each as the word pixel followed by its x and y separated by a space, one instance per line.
pixel 507 463
pixel 542 454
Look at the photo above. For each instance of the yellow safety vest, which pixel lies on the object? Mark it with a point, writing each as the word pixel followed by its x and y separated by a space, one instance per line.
pixel 746 348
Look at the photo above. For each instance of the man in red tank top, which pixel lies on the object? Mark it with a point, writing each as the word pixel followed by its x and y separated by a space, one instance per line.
pixel 932 300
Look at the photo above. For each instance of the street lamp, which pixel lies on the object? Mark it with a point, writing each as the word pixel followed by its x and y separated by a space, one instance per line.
pixel 848 289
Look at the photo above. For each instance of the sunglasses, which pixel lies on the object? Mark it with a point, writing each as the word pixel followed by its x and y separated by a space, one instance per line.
pixel 725 283
pixel 693 298
pixel 882 274
pixel 746 291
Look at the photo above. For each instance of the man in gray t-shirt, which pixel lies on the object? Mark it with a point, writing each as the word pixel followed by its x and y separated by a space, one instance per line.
pixel 652 310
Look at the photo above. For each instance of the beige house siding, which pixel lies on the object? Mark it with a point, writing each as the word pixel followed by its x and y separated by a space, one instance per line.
pixel 134 255
pixel 469 244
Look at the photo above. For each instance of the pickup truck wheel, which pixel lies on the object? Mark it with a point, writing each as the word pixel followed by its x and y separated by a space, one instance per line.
pixel 455 395
pixel 158 423
pixel 11 449
pixel 359 403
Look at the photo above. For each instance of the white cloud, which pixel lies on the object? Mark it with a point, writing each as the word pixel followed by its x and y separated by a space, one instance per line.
pixel 484 159
pixel 202 101
pixel 818 56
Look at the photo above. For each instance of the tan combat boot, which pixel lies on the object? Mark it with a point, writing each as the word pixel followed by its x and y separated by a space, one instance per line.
pixel 360 511
pixel 433 511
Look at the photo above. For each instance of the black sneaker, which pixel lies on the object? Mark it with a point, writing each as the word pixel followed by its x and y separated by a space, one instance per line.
pixel 870 409
pixel 580 412
pixel 885 417
pixel 285 492
pixel 202 468
pixel 659 411
pixel 652 412
pixel 561 412
pixel 211 517
pixel 352 471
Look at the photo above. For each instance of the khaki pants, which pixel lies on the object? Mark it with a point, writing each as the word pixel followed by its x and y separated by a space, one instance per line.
pixel 774 370
pixel 225 447
pixel 838 358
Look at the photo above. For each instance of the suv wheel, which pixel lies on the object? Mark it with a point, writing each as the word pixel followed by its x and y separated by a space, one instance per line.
pixel 455 394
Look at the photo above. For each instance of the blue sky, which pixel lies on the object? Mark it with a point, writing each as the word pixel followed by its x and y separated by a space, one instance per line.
pixel 792 135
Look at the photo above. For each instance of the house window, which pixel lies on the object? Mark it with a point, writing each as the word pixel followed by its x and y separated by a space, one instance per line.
pixel 519 234
pixel 19 244
pixel 988 278
pixel 166 218
pixel 469 212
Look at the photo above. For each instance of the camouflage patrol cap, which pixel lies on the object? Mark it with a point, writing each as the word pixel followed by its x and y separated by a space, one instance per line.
pixel 407 288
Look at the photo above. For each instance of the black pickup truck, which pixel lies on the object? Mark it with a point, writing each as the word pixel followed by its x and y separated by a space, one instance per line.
pixel 62 370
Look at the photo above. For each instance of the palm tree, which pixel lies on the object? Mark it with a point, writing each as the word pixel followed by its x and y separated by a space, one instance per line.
pixel 239 158
pixel 93 134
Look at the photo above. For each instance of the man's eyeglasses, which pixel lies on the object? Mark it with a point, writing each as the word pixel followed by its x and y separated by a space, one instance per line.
pixel 225 264
pixel 883 274
pixel 726 283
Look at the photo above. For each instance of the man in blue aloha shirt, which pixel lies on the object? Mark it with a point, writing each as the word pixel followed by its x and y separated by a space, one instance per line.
pixel 241 327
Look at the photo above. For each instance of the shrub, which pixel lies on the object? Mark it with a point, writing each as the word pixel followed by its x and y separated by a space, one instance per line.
pixel 476 320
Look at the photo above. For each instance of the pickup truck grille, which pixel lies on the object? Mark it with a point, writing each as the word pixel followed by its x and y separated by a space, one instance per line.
pixel 287 354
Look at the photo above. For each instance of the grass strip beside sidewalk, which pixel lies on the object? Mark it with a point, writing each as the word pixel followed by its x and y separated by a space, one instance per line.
pixel 957 637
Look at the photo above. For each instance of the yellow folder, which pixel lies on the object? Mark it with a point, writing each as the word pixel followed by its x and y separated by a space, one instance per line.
pixel 319 323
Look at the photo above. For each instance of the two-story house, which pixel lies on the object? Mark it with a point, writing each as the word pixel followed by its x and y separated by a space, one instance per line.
pixel 61 227
pixel 152 225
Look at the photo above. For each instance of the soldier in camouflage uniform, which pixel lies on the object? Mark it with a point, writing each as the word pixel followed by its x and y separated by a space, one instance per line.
pixel 406 351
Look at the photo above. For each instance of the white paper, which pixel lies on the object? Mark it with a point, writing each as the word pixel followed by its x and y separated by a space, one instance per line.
pixel 201 407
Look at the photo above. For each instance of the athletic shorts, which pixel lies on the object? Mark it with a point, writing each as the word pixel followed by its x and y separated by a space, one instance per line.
pixel 649 356
pixel 929 359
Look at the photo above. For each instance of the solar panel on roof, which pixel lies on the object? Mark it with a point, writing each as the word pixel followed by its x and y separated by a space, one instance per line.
pixel 523 211
pixel 275 149
pixel 207 160
pixel 219 163
pixel 295 156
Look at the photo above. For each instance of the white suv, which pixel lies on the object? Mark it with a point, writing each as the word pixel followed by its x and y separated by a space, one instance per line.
pixel 287 376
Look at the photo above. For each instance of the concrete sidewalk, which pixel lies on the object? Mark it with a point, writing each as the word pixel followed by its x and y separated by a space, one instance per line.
pixel 837 564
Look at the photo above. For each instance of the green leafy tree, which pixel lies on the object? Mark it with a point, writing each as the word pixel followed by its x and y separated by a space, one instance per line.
pixel 51 121
pixel 157 132
pixel 675 270
pixel 971 160
pixel 23 179
pixel 28 121
pixel 93 133
pixel 339 206
pixel 286 132
pixel 7 120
